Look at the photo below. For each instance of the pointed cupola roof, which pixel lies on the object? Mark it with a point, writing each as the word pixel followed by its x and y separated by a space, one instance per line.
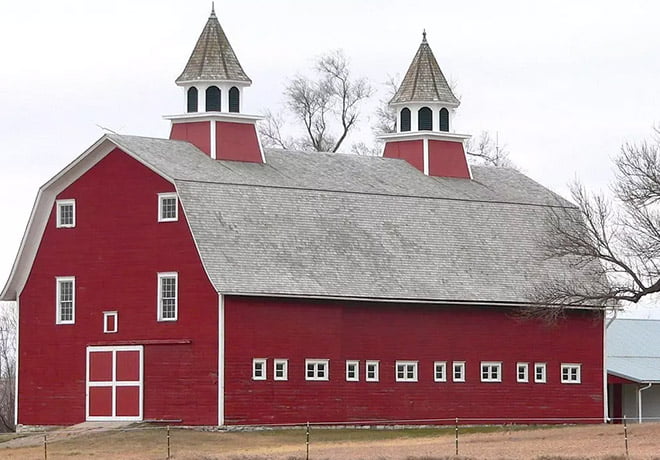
pixel 424 81
pixel 213 58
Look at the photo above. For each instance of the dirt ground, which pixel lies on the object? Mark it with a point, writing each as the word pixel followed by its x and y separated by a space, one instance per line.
pixel 603 442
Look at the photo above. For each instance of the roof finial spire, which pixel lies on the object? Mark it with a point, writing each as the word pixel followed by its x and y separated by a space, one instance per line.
pixel 424 36
pixel 212 8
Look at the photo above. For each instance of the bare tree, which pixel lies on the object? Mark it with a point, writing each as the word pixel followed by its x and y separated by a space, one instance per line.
pixel 7 366
pixel 621 235
pixel 326 105
pixel 486 150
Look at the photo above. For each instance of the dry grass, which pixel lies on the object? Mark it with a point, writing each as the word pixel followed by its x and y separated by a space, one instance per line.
pixel 602 442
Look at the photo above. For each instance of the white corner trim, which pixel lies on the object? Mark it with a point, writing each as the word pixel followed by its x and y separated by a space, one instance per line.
pixel 221 359
pixel 425 143
pixel 213 141
pixel 18 354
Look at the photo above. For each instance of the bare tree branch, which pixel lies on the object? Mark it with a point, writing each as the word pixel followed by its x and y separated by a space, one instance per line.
pixel 485 150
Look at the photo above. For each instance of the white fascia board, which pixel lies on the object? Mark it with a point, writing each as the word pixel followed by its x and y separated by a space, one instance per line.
pixel 449 105
pixel 44 202
pixel 242 83
pixel 231 117
pixel 419 135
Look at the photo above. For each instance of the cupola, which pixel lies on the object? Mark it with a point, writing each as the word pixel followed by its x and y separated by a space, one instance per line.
pixel 425 105
pixel 213 84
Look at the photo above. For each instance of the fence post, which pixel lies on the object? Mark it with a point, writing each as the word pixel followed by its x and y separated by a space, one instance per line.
pixel 456 435
pixel 307 442
pixel 625 435
pixel 45 447
pixel 168 443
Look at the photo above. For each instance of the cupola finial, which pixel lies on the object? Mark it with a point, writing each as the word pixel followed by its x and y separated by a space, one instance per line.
pixel 424 36
pixel 213 9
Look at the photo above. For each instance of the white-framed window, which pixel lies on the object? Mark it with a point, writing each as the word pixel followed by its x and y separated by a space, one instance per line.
pixel 65 300
pixel 491 371
pixel 570 373
pixel 110 322
pixel 539 372
pixel 440 371
pixel 371 371
pixel 168 297
pixel 281 369
pixel 406 371
pixel 66 213
pixel 317 369
pixel 168 207
pixel 458 371
pixel 522 372
pixel 352 371
pixel 259 368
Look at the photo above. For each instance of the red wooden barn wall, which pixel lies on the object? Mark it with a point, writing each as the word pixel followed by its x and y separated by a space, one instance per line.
pixel 115 252
pixel 296 330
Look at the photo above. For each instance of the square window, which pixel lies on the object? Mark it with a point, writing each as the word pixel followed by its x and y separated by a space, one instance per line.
pixel 406 371
pixel 491 371
pixel 371 371
pixel 316 369
pixel 259 369
pixel 168 207
pixel 440 371
pixel 539 372
pixel 458 374
pixel 570 373
pixel 167 296
pixel 109 322
pixel 522 372
pixel 66 213
pixel 352 371
pixel 65 300
pixel 281 369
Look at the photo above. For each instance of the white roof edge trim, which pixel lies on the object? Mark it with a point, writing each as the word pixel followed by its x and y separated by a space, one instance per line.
pixel 43 203
pixel 628 377
pixel 480 303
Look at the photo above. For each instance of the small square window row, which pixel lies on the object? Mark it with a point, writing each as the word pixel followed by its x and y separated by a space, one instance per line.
pixel 407 371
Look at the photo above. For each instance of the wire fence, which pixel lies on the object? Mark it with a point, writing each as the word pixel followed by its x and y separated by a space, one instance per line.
pixel 458 436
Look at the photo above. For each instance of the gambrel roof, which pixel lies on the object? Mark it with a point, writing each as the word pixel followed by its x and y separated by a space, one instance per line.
pixel 345 226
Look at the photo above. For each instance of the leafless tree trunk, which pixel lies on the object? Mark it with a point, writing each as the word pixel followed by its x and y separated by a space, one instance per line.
pixel 327 106
pixel 620 235
pixel 7 367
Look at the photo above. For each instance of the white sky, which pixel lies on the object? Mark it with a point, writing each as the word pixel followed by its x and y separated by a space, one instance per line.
pixel 563 83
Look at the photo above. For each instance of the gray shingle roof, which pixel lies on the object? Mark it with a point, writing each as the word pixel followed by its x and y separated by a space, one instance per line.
pixel 424 81
pixel 339 225
pixel 213 57
pixel 633 349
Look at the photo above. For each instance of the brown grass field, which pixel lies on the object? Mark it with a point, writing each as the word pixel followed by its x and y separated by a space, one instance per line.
pixel 603 442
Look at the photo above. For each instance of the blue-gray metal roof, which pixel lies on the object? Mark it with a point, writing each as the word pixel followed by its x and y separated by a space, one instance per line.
pixel 633 349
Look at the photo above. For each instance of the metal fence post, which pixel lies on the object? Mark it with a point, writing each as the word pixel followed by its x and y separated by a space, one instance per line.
pixel 625 435
pixel 456 435
pixel 307 442
pixel 45 447
pixel 168 443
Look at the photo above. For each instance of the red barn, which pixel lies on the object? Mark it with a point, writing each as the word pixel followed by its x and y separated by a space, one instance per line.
pixel 206 280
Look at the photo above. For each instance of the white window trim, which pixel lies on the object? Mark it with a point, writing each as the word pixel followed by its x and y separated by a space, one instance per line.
pixel 459 365
pixel 316 363
pixel 164 196
pixel 367 365
pixel 576 366
pixel 355 363
pixel 490 365
pixel 544 378
pixel 525 378
pixel 442 364
pixel 58 311
pixel 406 364
pixel 106 316
pixel 285 368
pixel 159 305
pixel 58 219
pixel 263 362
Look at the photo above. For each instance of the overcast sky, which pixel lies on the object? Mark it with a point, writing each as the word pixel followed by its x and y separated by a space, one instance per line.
pixel 562 83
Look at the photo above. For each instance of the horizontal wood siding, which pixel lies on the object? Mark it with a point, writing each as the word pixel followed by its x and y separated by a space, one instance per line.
pixel 340 331
pixel 115 252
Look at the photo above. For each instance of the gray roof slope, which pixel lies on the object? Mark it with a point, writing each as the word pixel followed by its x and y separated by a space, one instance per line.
pixel 368 227
pixel 213 58
pixel 424 81
pixel 633 349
